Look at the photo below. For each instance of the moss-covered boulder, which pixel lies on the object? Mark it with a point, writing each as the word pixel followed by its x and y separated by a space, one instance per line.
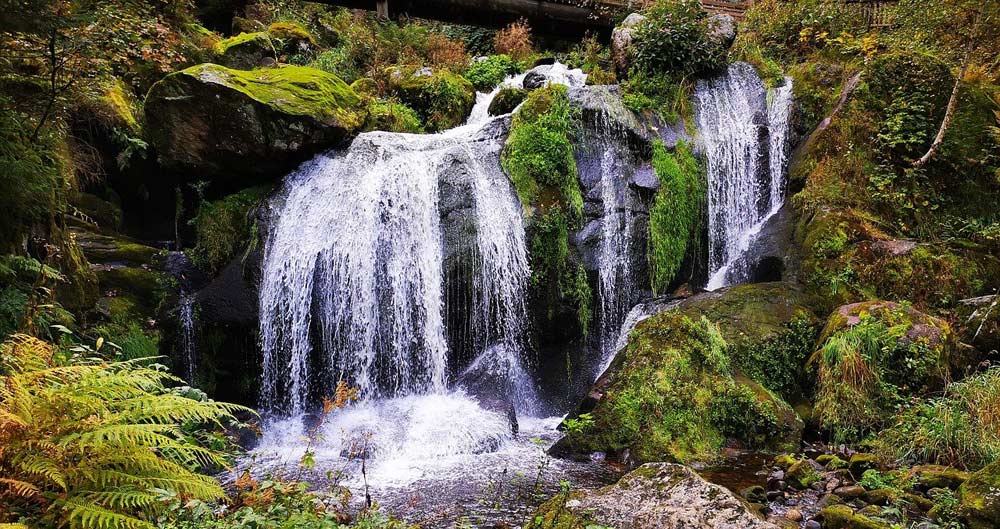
pixel 673 395
pixel 844 517
pixel 106 249
pixel 239 125
pixel 392 116
pixel 654 496
pixel 261 48
pixel 507 100
pixel 443 99
pixel 980 498
pixel 872 356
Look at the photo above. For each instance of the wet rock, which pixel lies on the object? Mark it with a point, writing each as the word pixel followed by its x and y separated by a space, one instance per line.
pixel 225 124
pixel 793 515
pixel 980 498
pixel 506 101
pixel 802 474
pixel 655 496
pixel 859 463
pixel 534 80
pixel 722 29
pixel 843 517
pixel 849 492
pixel 441 98
pixel 754 494
pixel 812 524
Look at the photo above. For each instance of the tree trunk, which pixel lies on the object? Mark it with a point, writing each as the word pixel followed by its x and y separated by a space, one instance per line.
pixel 948 114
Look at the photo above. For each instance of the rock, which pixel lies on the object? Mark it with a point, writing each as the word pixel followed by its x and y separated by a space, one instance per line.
pixel 442 99
pixel 842 517
pixel 221 124
pixel 754 494
pixel 721 30
pixel 812 524
pixel 831 462
pixel 621 41
pixel 775 495
pixel 793 515
pixel 107 249
pixel 251 50
pixel 654 496
pixel 980 498
pixel 534 80
pixel 878 497
pixel 979 322
pixel 802 475
pixel 849 492
pixel 911 357
pixel 938 476
pixel 507 100
pixel 645 408
pixel 859 463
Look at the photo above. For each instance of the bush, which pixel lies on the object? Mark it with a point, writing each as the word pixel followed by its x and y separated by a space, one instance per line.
pixel 487 73
pixel 961 428
pixel 515 41
pixel 88 443
pixel 674 38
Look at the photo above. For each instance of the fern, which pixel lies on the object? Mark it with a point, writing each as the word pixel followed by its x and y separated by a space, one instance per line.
pixel 86 445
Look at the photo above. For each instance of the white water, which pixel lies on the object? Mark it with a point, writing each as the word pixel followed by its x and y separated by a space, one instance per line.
pixel 745 131
pixel 185 316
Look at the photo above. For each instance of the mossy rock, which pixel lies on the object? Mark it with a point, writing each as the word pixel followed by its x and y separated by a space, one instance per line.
pixel 938 477
pixel 142 286
pixel 232 124
pixel 443 99
pixel 106 214
pixel 802 474
pixel 78 290
pixel 107 249
pixel 980 498
pixel 223 228
pixel 674 396
pixel 507 100
pixel 365 86
pixel 843 517
pixel 260 48
pixel 872 357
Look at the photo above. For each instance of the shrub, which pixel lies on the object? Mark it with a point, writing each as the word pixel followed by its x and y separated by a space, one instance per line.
pixel 674 39
pixel 487 73
pixel 88 443
pixel 515 41
pixel 960 428
pixel 443 52
pixel 675 214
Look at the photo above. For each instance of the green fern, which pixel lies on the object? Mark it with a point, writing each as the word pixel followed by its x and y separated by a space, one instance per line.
pixel 92 444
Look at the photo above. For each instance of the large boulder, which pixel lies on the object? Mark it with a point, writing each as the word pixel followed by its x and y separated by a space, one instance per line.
pixel 443 99
pixel 871 357
pixel 621 40
pixel 980 498
pixel 263 48
pixel 243 125
pixel 654 496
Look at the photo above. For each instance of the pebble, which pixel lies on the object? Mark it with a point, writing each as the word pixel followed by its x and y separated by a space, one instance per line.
pixel 793 515
pixel 812 524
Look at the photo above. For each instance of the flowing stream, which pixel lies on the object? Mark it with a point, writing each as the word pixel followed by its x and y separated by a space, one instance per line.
pixel 744 127
pixel 185 316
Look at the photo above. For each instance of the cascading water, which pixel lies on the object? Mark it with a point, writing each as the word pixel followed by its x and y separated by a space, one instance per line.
pixel 745 132
pixel 185 316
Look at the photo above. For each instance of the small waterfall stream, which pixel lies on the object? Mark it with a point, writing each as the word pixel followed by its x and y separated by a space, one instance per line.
pixel 185 316
pixel 744 127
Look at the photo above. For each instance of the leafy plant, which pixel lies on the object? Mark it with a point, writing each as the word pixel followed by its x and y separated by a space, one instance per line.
pixel 487 73
pixel 86 443
pixel 675 39
pixel 675 212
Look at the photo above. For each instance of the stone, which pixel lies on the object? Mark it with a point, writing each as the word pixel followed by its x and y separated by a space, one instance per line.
pixel 506 101
pixel 258 48
pixel 859 463
pixel 222 124
pixel 722 29
pixel 938 476
pixel 654 496
pixel 621 41
pixel 849 492
pixel 754 494
pixel 441 98
pixel 534 80
pixel 802 475
pixel 793 515
pixel 843 517
pixel 979 498
pixel 812 524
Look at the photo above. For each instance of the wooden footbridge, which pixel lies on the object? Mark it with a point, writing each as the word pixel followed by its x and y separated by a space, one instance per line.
pixel 562 17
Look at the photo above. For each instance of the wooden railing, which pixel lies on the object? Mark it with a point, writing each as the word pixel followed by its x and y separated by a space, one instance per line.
pixel 876 13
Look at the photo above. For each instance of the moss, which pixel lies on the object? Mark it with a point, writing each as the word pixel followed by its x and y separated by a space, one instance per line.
pixel 872 357
pixel 249 42
pixel 980 498
pixel 675 397
pixel 777 362
pixel 101 249
pixel 675 214
pixel 801 475
pixel 290 31
pixel 843 517
pixel 294 90
pixel 442 99
pixel 224 227
pixel 121 104
pixel 79 288
pixel 507 100
pixel 365 86
pixel 392 116
pixel 831 462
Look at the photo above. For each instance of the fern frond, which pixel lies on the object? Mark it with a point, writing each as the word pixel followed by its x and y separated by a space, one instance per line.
pixel 42 466
pixel 19 488
pixel 86 515
pixel 124 499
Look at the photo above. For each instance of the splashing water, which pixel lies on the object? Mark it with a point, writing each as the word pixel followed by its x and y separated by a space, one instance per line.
pixel 185 315
pixel 745 141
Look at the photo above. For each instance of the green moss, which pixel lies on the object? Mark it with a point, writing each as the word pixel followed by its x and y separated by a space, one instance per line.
pixel 843 517
pixel 295 90
pixel 507 100
pixel 980 498
pixel 223 228
pixel 365 86
pixel 538 156
pixel 777 362
pixel 121 104
pixel 675 214
pixel 256 40
pixel 801 475
pixel 290 31
pixel 873 356
pixel 675 397
pixel 442 99
pixel 392 116
pixel 553 514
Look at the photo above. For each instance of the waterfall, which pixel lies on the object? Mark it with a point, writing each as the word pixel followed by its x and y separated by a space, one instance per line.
pixel 185 316
pixel 353 284
pixel 745 132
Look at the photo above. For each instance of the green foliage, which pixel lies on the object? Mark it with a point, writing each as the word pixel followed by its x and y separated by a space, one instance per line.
pixel 865 370
pixel 778 362
pixel 30 190
pixel 674 38
pixel 392 116
pixel 224 227
pixel 580 423
pixel 487 73
pixel 674 216
pixel 90 444
pixel 779 30
pixel 443 99
pixel 662 93
pixel 959 428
